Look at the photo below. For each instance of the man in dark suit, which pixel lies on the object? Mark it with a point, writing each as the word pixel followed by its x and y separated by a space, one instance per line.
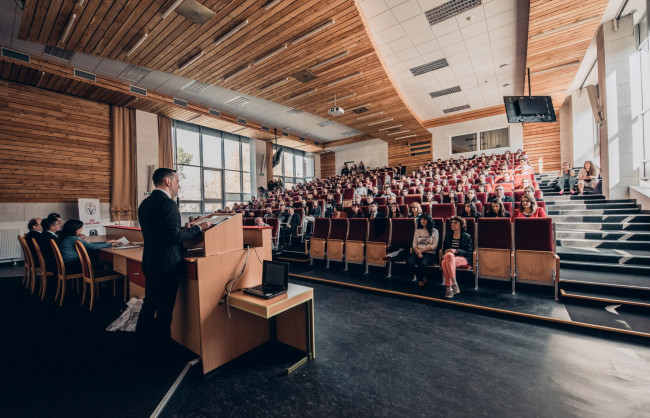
pixel 162 262
pixel 50 228
pixel 36 232
pixel 289 226
pixel 374 213
pixel 500 193
pixel 269 213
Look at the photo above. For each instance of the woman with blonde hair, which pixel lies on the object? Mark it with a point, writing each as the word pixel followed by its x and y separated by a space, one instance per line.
pixel 588 175
pixel 528 209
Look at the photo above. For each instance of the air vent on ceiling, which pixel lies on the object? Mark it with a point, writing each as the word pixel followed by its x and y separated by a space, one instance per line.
pixel 265 128
pixel 326 123
pixel 58 52
pixel 351 133
pixel 84 74
pixel 19 56
pixel 195 87
pixel 294 112
pixel 445 92
pixel 238 101
pixel 180 102
pixel 360 110
pixel 138 90
pixel 215 112
pixel 242 121
pixel 455 109
pixel 195 11
pixel 134 74
pixel 431 66
pixel 450 9
pixel 304 76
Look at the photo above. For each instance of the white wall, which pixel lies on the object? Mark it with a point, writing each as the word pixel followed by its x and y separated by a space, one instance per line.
pixel 442 136
pixel 373 153
pixel 585 133
pixel 317 166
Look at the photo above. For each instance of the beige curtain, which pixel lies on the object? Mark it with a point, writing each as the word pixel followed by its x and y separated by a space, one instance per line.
pixel 123 174
pixel 494 139
pixel 165 146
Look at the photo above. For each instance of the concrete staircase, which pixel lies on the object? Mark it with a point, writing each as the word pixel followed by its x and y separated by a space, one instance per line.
pixel 604 246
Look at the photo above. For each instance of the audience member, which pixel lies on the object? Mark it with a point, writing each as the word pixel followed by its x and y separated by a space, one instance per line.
pixel 356 211
pixel 338 212
pixel 496 209
pixel 529 209
pixel 259 221
pixel 469 211
pixel 393 211
pixel 457 250
pixel 587 176
pixel 35 232
pixel 415 210
pixel 564 176
pixel 289 226
pixel 423 252
pixel 374 213
pixel 500 193
pixel 71 232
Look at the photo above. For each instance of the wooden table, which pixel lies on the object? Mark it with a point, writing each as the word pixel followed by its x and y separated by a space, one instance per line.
pixel 293 313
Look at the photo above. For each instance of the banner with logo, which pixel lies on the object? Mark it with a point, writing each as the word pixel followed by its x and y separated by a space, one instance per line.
pixel 90 215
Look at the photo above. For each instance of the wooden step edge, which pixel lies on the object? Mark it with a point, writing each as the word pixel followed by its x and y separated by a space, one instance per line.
pixel 606 300
pixel 612 285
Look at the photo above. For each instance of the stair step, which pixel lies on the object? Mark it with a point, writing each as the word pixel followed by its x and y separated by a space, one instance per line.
pixel 575 278
pixel 626 211
pixel 556 201
pixel 639 236
pixel 613 299
pixel 587 197
pixel 605 255
pixel 602 226
pixel 596 267
pixel 591 206
pixel 632 218
pixel 600 244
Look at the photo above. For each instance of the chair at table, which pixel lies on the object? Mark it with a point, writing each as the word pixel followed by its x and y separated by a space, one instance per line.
pixel 535 258
pixel 319 239
pixel 378 240
pixel 62 276
pixel 403 231
pixel 494 250
pixel 91 279
pixel 336 240
pixel 29 275
pixel 43 271
pixel 355 244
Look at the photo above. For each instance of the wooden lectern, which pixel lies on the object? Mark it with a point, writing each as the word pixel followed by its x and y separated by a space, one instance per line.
pixel 200 323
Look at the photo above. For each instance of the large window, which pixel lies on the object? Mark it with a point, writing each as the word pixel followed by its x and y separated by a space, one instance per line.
pixel 294 167
pixel 480 141
pixel 213 167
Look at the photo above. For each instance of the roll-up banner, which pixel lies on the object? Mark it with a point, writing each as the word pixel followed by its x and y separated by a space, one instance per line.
pixel 90 215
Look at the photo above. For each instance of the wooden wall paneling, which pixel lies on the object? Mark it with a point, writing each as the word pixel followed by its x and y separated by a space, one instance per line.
pixel 328 164
pixel 53 147
pixel 542 142
pixel 399 152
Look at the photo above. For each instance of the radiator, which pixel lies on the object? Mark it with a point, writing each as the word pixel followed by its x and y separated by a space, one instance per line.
pixel 9 246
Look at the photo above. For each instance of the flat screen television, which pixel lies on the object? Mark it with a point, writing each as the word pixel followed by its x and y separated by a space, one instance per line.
pixel 522 109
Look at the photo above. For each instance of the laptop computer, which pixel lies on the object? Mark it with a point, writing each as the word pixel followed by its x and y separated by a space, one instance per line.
pixel 275 280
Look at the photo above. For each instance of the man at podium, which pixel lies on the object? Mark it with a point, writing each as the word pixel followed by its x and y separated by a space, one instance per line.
pixel 162 263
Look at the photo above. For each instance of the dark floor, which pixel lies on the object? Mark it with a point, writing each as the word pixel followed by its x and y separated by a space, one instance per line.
pixel 376 356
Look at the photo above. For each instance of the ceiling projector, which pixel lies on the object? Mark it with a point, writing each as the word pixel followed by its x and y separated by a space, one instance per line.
pixel 336 111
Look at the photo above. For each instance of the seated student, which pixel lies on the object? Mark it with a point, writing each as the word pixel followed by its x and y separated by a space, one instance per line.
pixel 269 213
pixel 375 192
pixel 587 176
pixel 469 211
pixel 451 197
pixel 564 176
pixel 530 192
pixel 529 209
pixel 259 221
pixel 500 194
pixel 428 198
pixel 496 209
pixel 356 211
pixel 525 182
pixel 524 168
pixel 470 196
pixel 374 213
pixel 393 211
pixel 457 250
pixel 387 191
pixel 338 212
pixel 71 232
pixel 506 177
pixel 312 211
pixel 425 242
pixel 415 210
pixel 51 226
pixel 35 232
pixel 480 188
pixel 437 189
pixel 369 201
pixel 391 199
pixel 289 226
pixel 459 189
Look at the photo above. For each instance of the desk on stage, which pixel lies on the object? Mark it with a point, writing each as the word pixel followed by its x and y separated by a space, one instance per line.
pixel 199 322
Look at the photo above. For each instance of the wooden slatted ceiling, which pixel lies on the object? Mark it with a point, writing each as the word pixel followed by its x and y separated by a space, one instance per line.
pixel 557 50
pixel 465 116
pixel 109 29
pixel 327 164
pixel 59 77
pixel 53 147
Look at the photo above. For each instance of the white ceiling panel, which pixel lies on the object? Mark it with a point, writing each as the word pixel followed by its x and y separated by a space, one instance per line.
pixel 449 39
pixel 382 21
pixel 406 10
pixel 372 8
pixel 85 62
pixel 475 29
pixel 401 44
pixel 392 33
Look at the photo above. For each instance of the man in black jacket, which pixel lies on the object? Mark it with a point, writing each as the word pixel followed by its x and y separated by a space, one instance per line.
pixel 36 232
pixel 289 226
pixel 500 193
pixel 374 213
pixel 162 262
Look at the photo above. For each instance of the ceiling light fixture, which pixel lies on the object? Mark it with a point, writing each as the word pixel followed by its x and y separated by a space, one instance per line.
pixel 172 8
pixel 271 4
pixel 270 54
pixel 381 121
pixel 191 61
pixel 313 32
pixel 340 80
pixel 80 3
pixel 397 133
pixel 231 32
pixel 66 31
pixel 303 94
pixel 238 130
pixel 331 59
pixel 372 114
pixel 277 83
pixel 236 73
pixel 137 44
pixel 568 26
pixel 406 136
pixel 391 127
